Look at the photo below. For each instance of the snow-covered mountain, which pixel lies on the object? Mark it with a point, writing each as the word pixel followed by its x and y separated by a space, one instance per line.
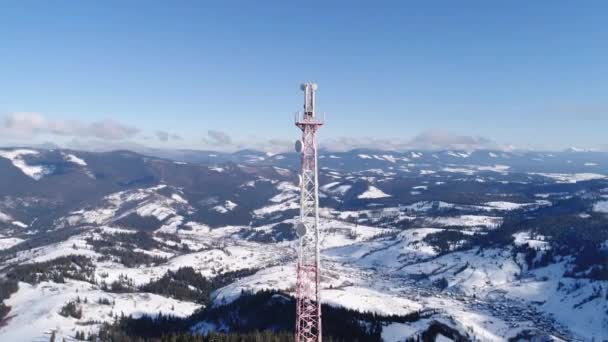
pixel 570 161
pixel 486 245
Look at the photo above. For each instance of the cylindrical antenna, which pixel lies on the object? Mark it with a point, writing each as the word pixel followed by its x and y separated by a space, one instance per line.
pixel 309 98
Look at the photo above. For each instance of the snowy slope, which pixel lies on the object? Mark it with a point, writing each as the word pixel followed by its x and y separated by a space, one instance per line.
pixel 35 312
pixel 16 157
pixel 373 192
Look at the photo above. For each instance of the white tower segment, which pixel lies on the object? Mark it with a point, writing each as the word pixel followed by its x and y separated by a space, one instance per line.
pixel 308 306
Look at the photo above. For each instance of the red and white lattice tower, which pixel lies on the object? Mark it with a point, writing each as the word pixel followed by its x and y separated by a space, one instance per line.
pixel 308 306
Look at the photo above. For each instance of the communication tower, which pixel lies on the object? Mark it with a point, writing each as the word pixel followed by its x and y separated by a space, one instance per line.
pixel 308 306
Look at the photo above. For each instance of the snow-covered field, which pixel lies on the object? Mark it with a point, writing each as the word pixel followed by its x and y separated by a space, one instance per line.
pixel 73 159
pixel 571 178
pixel 601 207
pixel 373 192
pixel 468 221
pixel 9 242
pixel 35 310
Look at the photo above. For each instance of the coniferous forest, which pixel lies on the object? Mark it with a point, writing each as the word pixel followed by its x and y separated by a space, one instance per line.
pixel 267 316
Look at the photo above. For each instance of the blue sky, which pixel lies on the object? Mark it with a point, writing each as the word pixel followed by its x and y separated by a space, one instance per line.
pixel 226 74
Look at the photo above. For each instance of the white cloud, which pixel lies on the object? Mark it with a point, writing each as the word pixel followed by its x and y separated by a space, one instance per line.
pixel 165 136
pixel 224 142
pixel 162 136
pixel 25 125
pixel 437 140
pixel 349 143
pixel 217 139
pixel 111 130
pixel 429 140
pixel 271 145
pixel 97 145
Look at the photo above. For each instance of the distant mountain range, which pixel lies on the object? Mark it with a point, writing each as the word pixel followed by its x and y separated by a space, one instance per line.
pixel 569 161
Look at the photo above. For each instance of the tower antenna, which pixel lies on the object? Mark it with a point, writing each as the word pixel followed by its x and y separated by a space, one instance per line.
pixel 308 304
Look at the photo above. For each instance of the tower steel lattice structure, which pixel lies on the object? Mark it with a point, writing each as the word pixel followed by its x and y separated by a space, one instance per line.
pixel 308 307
